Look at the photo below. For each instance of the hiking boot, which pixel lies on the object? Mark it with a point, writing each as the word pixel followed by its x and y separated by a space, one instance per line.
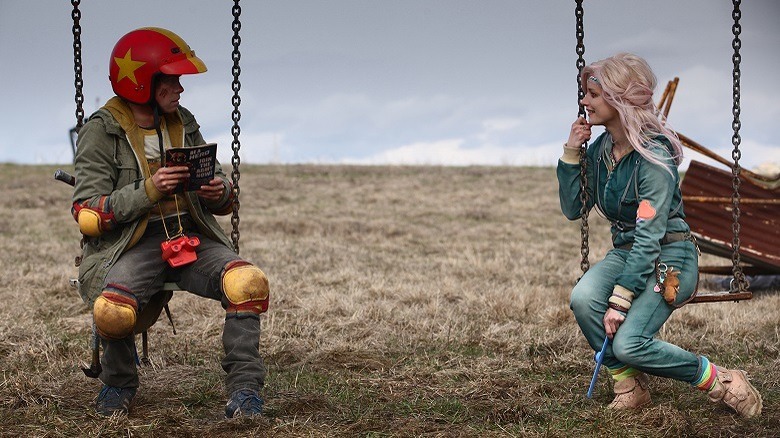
pixel 631 393
pixel 244 403
pixel 112 400
pixel 735 391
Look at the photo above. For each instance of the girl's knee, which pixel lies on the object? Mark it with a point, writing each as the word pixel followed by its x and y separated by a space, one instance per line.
pixel 582 299
pixel 575 301
pixel 627 349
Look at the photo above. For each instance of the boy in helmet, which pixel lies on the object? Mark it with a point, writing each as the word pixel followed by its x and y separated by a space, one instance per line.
pixel 126 209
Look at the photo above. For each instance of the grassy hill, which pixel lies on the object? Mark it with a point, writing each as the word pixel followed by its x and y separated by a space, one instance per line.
pixel 406 301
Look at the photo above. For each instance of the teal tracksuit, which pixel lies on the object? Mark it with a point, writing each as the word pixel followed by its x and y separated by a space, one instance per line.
pixel 637 235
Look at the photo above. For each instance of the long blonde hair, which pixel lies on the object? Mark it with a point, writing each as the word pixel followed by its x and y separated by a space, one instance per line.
pixel 628 83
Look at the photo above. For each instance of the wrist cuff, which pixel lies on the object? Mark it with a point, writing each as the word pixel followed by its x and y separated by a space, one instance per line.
pixel 570 155
pixel 621 298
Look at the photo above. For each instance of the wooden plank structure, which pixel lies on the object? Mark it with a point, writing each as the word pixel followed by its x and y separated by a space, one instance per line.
pixel 708 208
pixel 707 195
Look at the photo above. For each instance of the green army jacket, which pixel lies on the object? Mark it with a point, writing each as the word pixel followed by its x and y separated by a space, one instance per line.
pixel 109 171
pixel 617 195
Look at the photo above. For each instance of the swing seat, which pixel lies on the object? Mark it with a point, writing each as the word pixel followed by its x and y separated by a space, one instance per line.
pixel 707 193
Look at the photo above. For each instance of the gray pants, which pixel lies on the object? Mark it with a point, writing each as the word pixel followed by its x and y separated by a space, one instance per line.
pixel 142 271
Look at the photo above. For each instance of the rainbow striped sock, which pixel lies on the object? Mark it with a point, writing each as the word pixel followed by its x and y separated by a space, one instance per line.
pixel 706 381
pixel 623 372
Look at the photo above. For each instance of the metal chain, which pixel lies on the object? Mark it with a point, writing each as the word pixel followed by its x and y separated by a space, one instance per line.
pixel 77 68
pixel 236 116
pixel 584 228
pixel 736 29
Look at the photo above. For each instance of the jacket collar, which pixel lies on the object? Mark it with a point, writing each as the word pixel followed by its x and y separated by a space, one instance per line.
pixel 124 123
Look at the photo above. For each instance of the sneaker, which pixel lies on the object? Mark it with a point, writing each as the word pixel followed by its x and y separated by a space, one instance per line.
pixel 112 400
pixel 734 389
pixel 631 393
pixel 244 403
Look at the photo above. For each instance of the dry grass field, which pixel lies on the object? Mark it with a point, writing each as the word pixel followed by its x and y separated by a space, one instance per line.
pixel 406 301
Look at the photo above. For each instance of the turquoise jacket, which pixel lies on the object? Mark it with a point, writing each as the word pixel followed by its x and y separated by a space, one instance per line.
pixel 617 195
pixel 112 177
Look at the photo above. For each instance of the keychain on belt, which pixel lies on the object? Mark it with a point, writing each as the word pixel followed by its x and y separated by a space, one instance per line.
pixel 666 282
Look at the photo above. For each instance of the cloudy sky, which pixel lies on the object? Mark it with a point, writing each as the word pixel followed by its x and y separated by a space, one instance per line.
pixel 395 81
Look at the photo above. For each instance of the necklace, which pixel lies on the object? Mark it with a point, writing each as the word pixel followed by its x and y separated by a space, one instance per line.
pixel 612 157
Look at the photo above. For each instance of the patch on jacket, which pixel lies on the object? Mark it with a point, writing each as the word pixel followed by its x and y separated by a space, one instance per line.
pixel 645 211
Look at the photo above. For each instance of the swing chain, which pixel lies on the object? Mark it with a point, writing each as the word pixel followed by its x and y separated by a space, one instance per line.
pixel 739 276
pixel 77 67
pixel 236 116
pixel 584 228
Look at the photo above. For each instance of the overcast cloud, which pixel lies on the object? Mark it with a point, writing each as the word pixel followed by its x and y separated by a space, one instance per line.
pixel 402 82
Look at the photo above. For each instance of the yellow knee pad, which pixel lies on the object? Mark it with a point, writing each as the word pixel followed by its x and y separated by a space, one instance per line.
pixel 115 313
pixel 246 288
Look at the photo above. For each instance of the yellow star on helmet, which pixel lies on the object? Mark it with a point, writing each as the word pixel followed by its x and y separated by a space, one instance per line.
pixel 127 67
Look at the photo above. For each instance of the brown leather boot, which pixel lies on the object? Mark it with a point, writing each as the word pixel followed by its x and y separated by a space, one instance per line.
pixel 735 391
pixel 631 393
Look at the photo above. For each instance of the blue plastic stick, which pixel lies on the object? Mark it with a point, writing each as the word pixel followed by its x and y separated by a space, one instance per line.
pixel 599 358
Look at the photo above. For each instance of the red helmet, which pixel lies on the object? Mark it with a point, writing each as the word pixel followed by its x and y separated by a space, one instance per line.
pixel 144 53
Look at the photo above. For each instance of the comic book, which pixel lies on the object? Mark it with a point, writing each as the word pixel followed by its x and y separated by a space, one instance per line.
pixel 200 159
